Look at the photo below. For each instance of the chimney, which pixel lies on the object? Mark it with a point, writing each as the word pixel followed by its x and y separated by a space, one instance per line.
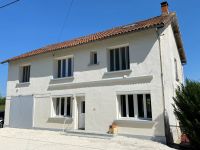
pixel 164 8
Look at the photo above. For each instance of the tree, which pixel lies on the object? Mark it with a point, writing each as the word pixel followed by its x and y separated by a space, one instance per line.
pixel 187 110
pixel 2 100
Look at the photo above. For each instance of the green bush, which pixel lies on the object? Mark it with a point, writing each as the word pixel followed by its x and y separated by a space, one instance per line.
pixel 2 101
pixel 187 110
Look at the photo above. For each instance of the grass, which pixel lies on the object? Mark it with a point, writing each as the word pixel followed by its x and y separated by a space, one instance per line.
pixel 2 107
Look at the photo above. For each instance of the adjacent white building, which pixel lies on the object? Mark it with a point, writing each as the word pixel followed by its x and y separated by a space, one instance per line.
pixel 126 75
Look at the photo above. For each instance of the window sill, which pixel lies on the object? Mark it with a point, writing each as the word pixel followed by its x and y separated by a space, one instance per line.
pixel 134 123
pixel 60 120
pixel 22 84
pixel 90 65
pixel 61 80
pixel 119 73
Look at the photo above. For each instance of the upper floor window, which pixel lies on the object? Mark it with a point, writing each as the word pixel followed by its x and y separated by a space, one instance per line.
pixel 63 106
pixel 176 69
pixel 119 59
pixel 25 74
pixel 93 58
pixel 65 67
pixel 135 106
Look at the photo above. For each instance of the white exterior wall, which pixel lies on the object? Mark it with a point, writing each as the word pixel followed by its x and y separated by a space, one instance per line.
pixel 169 53
pixel 100 95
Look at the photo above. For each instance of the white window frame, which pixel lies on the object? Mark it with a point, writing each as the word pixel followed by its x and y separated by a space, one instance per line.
pixel 135 102
pixel 65 107
pixel 66 61
pixel 120 61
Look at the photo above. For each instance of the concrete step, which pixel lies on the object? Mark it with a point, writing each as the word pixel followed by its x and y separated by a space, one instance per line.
pixel 91 134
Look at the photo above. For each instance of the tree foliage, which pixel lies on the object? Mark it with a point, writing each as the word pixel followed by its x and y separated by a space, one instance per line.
pixel 2 100
pixel 187 110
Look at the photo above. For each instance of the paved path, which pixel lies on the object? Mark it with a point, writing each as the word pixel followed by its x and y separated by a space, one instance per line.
pixel 22 139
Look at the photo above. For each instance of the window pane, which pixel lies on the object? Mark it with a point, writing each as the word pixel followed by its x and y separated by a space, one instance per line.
pixel 111 60
pixel 69 67
pixel 59 68
pixel 24 74
pixel 68 106
pixel 127 58
pixel 148 104
pixel 57 106
pixel 95 58
pixel 140 106
pixel 176 69
pixel 117 59
pixel 28 73
pixel 123 106
pixel 62 106
pixel 130 105
pixel 64 68
pixel 123 58
pixel 83 107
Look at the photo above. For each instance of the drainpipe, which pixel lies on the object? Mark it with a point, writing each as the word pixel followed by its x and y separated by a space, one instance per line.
pixel 162 86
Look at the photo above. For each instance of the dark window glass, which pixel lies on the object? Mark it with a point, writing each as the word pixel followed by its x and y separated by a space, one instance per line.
pixel 111 60
pixel 117 61
pixel 57 106
pixel 64 68
pixel 68 106
pixel 23 76
pixel 127 58
pixel 123 58
pixel 148 105
pixel 176 69
pixel 59 68
pixel 26 74
pixel 83 107
pixel 95 58
pixel 123 105
pixel 130 105
pixel 69 67
pixel 62 106
pixel 140 106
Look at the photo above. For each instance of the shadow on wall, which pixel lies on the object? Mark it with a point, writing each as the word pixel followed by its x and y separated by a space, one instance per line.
pixel 159 127
pixel 169 135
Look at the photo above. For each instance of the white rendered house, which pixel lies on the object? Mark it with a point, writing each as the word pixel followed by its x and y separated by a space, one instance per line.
pixel 126 75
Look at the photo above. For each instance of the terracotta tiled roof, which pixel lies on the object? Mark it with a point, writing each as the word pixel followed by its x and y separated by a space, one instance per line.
pixel 158 21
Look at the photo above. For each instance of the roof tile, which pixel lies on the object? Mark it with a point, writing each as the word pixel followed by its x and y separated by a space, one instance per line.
pixel 141 25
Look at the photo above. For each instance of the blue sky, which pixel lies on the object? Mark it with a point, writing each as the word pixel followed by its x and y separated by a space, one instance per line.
pixel 31 24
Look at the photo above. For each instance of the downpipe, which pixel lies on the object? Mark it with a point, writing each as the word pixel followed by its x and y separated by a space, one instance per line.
pixel 166 126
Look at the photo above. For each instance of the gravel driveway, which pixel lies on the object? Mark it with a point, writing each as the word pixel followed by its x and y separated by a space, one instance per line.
pixel 23 139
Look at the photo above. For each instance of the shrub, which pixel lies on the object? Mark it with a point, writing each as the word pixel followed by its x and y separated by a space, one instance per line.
pixel 187 110
pixel 2 101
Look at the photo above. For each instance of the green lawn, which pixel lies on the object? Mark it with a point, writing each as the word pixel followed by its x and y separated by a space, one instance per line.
pixel 2 107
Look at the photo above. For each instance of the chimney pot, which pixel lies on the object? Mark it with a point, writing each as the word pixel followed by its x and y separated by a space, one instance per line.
pixel 165 8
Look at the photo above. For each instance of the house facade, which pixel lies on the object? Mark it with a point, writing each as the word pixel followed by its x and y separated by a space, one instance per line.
pixel 126 75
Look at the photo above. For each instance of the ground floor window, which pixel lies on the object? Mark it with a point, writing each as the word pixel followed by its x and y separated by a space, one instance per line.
pixel 62 106
pixel 135 106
